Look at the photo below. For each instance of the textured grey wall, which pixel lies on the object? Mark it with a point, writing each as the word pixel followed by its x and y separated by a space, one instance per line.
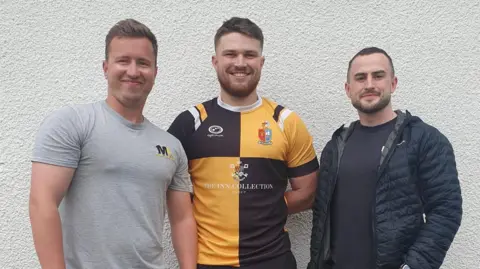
pixel 51 53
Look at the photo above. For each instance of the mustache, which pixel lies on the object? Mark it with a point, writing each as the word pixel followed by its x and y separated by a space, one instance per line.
pixel 245 69
pixel 369 92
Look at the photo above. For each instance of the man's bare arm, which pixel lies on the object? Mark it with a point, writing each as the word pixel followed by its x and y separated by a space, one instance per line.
pixel 302 195
pixel 48 186
pixel 184 228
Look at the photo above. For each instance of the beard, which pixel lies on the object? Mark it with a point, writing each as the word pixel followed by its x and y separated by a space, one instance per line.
pixel 236 89
pixel 370 108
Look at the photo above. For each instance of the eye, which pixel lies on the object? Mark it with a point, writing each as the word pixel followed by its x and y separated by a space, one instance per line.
pixel 360 78
pixel 379 76
pixel 122 61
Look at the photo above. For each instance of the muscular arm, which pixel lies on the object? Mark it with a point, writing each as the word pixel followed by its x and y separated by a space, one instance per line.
pixel 48 185
pixel 184 228
pixel 301 197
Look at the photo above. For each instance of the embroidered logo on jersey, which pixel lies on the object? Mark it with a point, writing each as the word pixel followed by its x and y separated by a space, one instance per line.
pixel 239 171
pixel 215 130
pixel 265 134
pixel 164 152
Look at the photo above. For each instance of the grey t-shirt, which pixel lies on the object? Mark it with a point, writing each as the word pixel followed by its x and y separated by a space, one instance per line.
pixel 113 212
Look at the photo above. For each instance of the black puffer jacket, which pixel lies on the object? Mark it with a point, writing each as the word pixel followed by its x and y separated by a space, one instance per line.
pixel 417 175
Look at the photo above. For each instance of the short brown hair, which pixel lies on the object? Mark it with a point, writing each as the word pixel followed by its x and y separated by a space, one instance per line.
pixel 130 28
pixel 368 51
pixel 242 26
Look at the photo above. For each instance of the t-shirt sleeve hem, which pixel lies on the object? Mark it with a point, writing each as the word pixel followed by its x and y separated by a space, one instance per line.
pixel 181 188
pixel 55 162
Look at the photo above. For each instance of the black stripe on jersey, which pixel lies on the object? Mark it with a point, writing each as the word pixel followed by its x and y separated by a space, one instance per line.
pixel 217 136
pixel 262 210
pixel 303 169
pixel 277 111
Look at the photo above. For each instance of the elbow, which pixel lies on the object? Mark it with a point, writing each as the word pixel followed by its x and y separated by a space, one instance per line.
pixel 41 207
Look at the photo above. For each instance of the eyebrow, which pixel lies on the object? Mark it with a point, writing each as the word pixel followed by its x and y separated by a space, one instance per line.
pixel 235 51
pixel 379 72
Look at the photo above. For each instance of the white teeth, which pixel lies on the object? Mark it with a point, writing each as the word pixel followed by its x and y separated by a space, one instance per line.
pixel 239 74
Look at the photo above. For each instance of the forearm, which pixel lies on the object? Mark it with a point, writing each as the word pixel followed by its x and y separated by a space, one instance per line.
pixel 299 200
pixel 184 238
pixel 47 235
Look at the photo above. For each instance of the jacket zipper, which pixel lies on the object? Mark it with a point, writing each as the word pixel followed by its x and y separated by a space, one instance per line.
pixel 381 167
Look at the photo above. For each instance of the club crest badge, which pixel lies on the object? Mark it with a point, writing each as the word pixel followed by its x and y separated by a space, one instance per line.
pixel 265 134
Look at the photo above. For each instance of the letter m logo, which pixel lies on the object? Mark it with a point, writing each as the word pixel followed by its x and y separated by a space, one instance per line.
pixel 162 150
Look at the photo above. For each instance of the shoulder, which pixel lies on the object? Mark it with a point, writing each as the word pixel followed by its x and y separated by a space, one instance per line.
pixel 425 135
pixel 196 113
pixel 280 112
pixel 71 116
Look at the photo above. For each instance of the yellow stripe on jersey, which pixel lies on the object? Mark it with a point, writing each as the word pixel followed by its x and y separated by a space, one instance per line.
pixel 203 112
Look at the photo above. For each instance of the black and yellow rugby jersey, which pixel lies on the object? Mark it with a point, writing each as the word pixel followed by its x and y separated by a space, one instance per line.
pixel 240 160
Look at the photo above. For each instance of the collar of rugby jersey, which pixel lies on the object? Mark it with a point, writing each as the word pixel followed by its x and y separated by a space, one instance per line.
pixel 247 108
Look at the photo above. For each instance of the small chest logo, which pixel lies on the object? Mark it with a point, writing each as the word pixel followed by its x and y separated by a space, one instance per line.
pixel 265 134
pixel 215 131
pixel 164 152
pixel 239 171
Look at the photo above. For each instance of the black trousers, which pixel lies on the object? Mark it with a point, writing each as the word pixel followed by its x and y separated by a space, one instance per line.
pixel 284 261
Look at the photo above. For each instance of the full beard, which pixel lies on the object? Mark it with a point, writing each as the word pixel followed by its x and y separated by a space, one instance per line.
pixel 238 91
pixel 371 108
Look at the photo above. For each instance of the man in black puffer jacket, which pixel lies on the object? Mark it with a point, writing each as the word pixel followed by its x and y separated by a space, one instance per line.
pixel 388 194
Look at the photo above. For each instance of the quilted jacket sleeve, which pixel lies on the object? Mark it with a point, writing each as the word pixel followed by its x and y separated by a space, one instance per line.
pixel 319 206
pixel 441 194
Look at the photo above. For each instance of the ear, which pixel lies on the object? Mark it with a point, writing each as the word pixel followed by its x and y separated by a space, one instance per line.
pixel 105 68
pixel 394 84
pixel 347 89
pixel 214 62
pixel 263 61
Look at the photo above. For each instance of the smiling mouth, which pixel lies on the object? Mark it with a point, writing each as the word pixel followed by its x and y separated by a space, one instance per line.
pixel 239 74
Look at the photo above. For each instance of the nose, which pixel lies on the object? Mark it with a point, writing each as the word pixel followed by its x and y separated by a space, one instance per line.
pixel 369 82
pixel 240 61
pixel 133 70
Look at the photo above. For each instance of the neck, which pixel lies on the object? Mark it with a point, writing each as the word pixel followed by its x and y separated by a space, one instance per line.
pixel 238 101
pixel 380 117
pixel 132 114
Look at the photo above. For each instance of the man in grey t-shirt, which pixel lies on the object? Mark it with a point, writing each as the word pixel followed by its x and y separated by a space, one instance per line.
pixel 103 176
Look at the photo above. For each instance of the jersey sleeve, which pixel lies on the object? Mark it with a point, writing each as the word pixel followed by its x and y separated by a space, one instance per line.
pixel 301 156
pixel 58 140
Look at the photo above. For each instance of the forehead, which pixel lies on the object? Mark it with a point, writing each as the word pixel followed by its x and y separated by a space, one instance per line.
pixel 237 41
pixel 370 63
pixel 131 46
